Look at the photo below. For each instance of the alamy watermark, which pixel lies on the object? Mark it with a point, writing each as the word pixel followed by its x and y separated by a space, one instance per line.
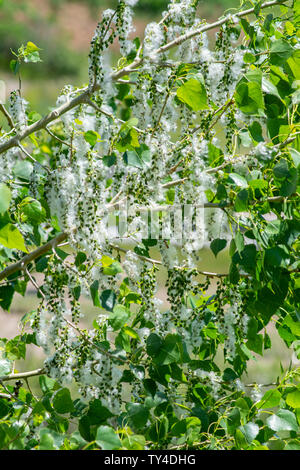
pixel 167 222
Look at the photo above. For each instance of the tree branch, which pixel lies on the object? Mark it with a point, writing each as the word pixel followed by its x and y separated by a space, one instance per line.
pixel 22 375
pixel 21 265
pixel 7 115
pixel 184 37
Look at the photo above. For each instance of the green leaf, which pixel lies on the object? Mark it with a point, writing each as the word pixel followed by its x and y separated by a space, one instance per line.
pixel 108 299
pixel 113 269
pixel 292 445
pixel 92 137
pixel 280 51
pixel 5 367
pixel 62 401
pixel 289 186
pixel 46 441
pixel 295 156
pixel 4 408
pixel 94 289
pixel 229 375
pixel 131 332
pixel 270 399
pixel 134 442
pixel 12 238
pixel 109 160
pixel 170 350
pixel 250 431
pixel 33 209
pixel 241 201
pixel 269 88
pixel 153 344
pixel 256 344
pixel 80 258
pixel 233 420
pixel 239 242
pixel 107 439
pixel 193 93
pixel 23 169
pixel 283 420
pixel 238 180
pixel 5 198
pixel 31 47
pixel 294 65
pixel 14 66
pixel 248 94
pixel 132 158
pixel 138 414
pixel 32 57
pixel 281 169
pixel 277 256
pixel 118 317
pixel 218 245
pixel 249 58
pixel 159 429
pixel 15 349
pixel 289 27
pixel 97 413
pixel 215 155
pixel 256 131
pixel 294 326
pixel 293 399
pixel 47 384
pixel 247 257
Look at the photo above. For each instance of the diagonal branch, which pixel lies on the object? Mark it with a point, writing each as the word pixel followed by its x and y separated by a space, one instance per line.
pixel 184 37
pixel 7 115
pixel 21 265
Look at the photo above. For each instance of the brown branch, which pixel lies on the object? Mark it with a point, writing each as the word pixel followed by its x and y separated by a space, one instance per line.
pixel 22 375
pixel 42 123
pixel 180 39
pixel 21 265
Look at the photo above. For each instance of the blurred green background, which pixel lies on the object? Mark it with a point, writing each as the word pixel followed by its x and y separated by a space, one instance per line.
pixel 63 30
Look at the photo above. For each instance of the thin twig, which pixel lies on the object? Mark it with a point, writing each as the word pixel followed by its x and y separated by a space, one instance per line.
pixel 7 115
pixel 32 158
pixel 57 138
pixel 111 116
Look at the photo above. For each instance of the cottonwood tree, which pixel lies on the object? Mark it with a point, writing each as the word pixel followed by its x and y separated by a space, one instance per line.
pixel 197 115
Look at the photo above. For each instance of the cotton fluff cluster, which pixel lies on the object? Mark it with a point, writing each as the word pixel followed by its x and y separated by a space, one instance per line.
pixel 182 11
pixel 17 106
pixel 124 26
pixel 8 161
pixel 154 38
pixel 100 378
pixel 131 265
